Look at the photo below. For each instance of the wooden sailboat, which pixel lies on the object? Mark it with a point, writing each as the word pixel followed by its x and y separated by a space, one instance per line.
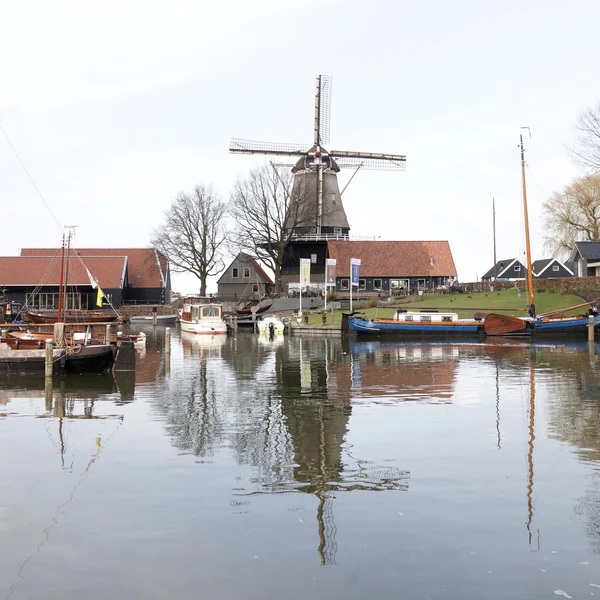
pixel 448 324
pixel 29 355
pixel 553 323
pixel 67 315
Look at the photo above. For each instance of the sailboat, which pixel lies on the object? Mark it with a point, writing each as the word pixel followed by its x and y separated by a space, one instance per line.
pixel 28 355
pixel 69 315
pixel 448 324
pixel 533 325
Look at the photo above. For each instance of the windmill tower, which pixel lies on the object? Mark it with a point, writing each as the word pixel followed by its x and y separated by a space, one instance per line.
pixel 320 211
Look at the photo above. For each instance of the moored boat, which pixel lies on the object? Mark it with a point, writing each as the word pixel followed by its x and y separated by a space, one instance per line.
pixel 29 357
pixel 201 316
pixel 256 307
pixel 69 316
pixel 270 325
pixel 414 324
pixel 149 319
pixel 449 324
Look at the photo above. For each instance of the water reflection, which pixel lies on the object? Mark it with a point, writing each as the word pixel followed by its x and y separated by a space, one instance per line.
pixel 409 466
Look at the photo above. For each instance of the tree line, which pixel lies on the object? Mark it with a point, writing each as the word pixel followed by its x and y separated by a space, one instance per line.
pixel 200 228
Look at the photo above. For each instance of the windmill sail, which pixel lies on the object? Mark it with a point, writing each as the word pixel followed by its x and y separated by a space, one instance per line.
pixel 315 173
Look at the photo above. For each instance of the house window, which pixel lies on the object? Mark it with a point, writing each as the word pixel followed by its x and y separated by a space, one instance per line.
pixel 235 273
pixel 345 284
pixel 421 284
pixel 556 268
pixel 246 272
pixel 362 284
pixel 517 267
pixel 376 284
pixel 255 288
pixel 337 231
pixel 313 259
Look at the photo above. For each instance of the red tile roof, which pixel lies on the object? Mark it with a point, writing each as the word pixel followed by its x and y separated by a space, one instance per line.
pixel 388 259
pixel 45 270
pixel 256 266
pixel 143 268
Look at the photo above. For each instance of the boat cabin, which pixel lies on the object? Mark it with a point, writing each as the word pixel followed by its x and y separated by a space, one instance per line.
pixel 199 308
pixel 425 316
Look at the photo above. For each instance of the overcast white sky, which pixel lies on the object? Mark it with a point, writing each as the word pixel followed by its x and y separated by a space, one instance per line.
pixel 116 106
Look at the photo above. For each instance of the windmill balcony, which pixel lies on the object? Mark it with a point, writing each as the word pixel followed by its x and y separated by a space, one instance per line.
pixel 325 237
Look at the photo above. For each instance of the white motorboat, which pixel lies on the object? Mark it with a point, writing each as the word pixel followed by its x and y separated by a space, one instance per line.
pixel 270 325
pixel 201 316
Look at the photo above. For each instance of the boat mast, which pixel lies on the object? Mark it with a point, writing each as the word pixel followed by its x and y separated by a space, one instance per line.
pixel 60 287
pixel 66 282
pixel 531 307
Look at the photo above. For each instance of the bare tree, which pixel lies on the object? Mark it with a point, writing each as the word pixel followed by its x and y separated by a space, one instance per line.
pixel 573 215
pixel 586 150
pixel 266 210
pixel 193 236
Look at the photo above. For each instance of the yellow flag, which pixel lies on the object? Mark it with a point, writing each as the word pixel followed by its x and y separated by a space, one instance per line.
pixel 99 298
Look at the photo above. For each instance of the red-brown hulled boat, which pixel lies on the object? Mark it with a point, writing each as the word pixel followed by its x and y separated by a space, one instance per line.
pixel 70 316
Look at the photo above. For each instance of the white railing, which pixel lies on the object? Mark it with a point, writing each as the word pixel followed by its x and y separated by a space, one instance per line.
pixel 326 237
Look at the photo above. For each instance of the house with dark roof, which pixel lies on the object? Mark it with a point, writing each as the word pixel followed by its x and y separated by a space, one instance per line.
pixel 126 276
pixel 244 279
pixel 585 258
pixel 390 267
pixel 548 268
pixel 509 269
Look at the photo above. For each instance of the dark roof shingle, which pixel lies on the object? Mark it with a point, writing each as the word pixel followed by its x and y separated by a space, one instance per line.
pixel 589 250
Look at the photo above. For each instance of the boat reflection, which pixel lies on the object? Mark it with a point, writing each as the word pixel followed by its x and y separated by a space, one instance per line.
pixel 202 345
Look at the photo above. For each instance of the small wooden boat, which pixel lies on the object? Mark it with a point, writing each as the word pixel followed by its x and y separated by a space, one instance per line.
pixel 69 316
pixel 29 357
pixel 148 320
pixel 257 308
pixel 201 316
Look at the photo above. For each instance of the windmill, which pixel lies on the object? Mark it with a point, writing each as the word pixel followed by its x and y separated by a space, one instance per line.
pixel 315 172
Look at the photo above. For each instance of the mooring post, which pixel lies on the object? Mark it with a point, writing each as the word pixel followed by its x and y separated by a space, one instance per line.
pixel 108 335
pixel 591 323
pixel 48 394
pixel 167 342
pixel 154 315
pixel 49 358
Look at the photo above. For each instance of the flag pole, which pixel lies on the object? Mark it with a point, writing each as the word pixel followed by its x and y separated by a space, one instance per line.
pixel 300 309
pixel 350 285
pixel 325 285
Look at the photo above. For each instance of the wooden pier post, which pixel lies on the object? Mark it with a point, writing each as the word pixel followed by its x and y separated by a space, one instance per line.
pixel 167 342
pixel 154 316
pixel 590 328
pixel 48 394
pixel 108 335
pixel 125 359
pixel 49 358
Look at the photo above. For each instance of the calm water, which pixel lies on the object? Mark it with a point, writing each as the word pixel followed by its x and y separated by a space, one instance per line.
pixel 306 468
